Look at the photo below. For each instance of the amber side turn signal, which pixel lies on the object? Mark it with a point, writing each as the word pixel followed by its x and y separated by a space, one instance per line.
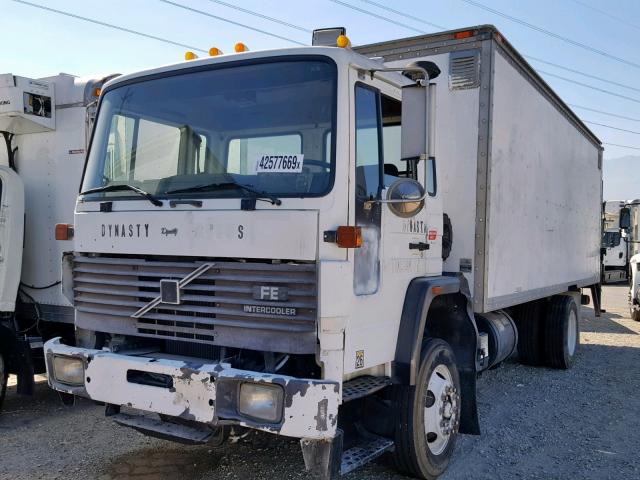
pixel 349 237
pixel 344 237
pixel 64 231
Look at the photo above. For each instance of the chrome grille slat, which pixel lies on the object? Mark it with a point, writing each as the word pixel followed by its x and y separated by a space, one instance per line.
pixel 299 267
pixel 207 321
pixel 110 289
pixel 107 280
pixel 206 276
pixel 196 298
pixel 120 307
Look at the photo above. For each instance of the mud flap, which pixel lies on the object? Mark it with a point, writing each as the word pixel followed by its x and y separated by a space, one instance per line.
pixel 322 458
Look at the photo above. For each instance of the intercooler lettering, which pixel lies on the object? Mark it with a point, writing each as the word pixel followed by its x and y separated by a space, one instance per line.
pixel 125 230
pixel 284 311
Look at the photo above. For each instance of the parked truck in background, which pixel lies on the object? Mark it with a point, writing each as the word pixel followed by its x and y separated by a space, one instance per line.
pixel 615 248
pixel 329 244
pixel 630 222
pixel 45 125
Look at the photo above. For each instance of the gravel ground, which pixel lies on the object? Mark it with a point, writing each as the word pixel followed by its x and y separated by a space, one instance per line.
pixel 537 424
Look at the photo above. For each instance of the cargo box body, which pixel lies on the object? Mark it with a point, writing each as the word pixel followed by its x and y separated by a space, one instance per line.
pixel 519 173
pixel 50 160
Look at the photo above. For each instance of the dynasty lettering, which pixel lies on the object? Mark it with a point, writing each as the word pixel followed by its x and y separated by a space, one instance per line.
pixel 123 230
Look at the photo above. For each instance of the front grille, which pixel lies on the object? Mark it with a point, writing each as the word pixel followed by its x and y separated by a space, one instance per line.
pixel 108 290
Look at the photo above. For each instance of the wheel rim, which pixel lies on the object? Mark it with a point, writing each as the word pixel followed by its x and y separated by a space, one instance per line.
pixel 572 335
pixel 441 417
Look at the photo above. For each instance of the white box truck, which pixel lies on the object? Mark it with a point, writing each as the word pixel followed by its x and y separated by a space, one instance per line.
pixel 630 224
pixel 44 124
pixel 329 244
pixel 615 243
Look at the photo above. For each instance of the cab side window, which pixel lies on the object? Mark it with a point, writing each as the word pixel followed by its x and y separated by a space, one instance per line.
pixel 391 112
pixel 368 143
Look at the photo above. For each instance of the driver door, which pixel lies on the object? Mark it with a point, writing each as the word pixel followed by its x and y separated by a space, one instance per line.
pixel 387 261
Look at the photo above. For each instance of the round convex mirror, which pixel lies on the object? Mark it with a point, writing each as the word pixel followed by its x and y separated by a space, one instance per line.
pixel 405 189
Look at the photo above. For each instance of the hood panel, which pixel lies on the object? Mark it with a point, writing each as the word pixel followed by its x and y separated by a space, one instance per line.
pixel 268 234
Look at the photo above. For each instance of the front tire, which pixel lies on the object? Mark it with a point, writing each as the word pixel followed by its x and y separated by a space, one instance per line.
pixel 428 414
pixel 635 314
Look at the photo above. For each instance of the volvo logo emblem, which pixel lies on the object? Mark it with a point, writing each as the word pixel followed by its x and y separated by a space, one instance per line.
pixel 170 290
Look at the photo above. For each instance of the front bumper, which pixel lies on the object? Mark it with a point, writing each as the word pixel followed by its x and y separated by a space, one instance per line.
pixel 206 393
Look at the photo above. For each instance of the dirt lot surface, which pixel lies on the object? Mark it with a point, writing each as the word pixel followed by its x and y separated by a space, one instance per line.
pixel 537 424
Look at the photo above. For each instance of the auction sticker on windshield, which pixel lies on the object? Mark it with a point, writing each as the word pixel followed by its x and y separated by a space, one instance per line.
pixel 279 163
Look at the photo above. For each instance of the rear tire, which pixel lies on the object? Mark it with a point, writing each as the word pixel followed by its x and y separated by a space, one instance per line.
pixel 528 318
pixel 428 414
pixel 635 315
pixel 562 332
pixel 4 376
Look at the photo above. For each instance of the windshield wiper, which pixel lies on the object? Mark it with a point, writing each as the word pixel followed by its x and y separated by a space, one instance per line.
pixel 264 196
pixel 119 187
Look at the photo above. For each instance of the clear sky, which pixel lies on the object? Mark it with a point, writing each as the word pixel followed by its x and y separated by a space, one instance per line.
pixel 37 43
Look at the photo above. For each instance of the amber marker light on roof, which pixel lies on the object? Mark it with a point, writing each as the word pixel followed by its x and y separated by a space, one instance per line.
pixel 214 52
pixel 342 41
pixel 190 56
pixel 463 34
pixel 240 47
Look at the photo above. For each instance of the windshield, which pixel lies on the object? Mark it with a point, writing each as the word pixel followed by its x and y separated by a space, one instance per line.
pixel 268 126
pixel 611 239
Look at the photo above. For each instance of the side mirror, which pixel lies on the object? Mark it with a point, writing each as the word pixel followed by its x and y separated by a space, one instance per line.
pixel 625 218
pixel 405 197
pixel 418 131
pixel 414 122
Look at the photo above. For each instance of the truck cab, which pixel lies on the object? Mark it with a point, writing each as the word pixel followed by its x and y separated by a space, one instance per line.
pixel 262 177
pixel 615 243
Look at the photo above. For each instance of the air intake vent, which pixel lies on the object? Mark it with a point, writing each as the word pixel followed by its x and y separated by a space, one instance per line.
pixel 464 70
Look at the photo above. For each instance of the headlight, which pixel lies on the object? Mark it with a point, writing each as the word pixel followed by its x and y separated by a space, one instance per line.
pixel 261 401
pixel 68 370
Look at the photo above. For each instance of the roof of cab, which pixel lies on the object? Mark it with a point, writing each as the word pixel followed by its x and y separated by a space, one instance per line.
pixel 339 55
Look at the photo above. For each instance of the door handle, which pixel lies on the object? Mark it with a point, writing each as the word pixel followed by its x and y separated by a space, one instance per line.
pixel 419 246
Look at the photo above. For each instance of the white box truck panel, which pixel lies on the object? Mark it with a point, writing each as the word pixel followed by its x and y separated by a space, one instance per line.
pixel 544 193
pixel 51 167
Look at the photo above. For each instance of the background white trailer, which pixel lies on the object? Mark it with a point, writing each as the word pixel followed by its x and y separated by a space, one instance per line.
pixel 46 125
pixel 633 232
pixel 520 174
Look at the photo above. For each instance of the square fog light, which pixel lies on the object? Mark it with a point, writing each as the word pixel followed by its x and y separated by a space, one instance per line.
pixel 261 401
pixel 68 370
